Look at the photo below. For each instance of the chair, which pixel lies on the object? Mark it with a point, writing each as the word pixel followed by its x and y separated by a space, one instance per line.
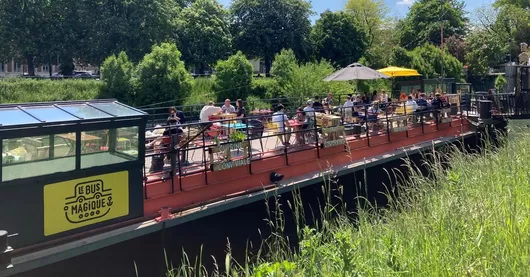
pixel 256 132
pixel 274 128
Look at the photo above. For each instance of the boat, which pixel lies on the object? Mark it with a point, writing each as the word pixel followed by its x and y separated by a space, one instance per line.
pixel 78 173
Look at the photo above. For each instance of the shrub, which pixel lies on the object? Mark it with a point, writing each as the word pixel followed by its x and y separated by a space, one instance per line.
pixel 18 90
pixel 266 88
pixel 201 92
pixel 162 76
pixel 117 74
pixel 233 78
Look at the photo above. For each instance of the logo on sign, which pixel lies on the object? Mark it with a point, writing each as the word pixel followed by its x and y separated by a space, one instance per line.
pixel 90 201
pixel 77 203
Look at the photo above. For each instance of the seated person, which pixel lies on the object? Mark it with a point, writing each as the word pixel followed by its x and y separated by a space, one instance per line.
pixel 411 104
pixel 282 121
pixel 227 107
pixel 209 110
pixel 241 111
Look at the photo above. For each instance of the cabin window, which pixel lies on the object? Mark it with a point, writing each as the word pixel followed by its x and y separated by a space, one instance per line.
pixel 33 156
pixel 105 147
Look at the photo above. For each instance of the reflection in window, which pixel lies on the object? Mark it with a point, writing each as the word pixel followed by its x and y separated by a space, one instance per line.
pixel 97 149
pixel 34 156
pixel 127 141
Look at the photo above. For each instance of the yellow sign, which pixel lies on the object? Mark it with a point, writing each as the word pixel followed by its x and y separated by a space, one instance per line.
pixel 81 202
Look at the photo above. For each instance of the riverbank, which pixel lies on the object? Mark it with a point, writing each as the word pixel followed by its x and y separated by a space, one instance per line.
pixel 469 220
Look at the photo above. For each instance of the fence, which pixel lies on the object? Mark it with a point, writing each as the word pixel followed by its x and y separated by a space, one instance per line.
pixel 222 144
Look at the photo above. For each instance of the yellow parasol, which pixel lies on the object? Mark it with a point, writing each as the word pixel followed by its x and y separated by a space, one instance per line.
pixel 393 71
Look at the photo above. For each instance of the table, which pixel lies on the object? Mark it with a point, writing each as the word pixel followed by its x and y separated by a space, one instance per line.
pixel 222 116
pixel 235 127
pixel 70 140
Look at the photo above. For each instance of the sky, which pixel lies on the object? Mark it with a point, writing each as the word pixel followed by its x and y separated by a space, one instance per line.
pixel 398 8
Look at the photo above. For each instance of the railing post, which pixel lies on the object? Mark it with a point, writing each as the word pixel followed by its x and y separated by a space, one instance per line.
pixel 387 125
pixel 315 128
pixel 367 125
pixel 204 157
pixel 249 156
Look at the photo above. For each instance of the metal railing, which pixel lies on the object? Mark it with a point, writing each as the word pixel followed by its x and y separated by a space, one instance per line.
pixel 199 148
pixel 158 114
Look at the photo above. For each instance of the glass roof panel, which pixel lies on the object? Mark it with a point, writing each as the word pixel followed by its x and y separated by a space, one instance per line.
pixel 50 114
pixel 116 109
pixel 84 111
pixel 14 116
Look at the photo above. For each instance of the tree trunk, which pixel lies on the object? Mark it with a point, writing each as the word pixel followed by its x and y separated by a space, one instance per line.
pixel 31 65
pixel 50 71
pixel 268 62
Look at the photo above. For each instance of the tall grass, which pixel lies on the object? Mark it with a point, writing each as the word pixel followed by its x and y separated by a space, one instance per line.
pixel 471 219
pixel 18 90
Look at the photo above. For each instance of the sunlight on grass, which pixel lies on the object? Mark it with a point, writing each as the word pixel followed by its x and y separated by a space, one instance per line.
pixel 469 220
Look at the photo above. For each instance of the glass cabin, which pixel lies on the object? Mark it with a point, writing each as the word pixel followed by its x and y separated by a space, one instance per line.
pixel 47 138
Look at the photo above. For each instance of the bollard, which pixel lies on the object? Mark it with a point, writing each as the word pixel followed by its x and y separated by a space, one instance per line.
pixel 5 251
pixel 164 214
pixel 485 109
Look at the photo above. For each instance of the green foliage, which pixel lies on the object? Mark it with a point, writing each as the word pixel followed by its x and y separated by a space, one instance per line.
pixel 278 269
pixel 255 102
pixel 427 60
pixel 162 76
pixel 484 51
pixel 233 78
pixel 134 26
pixel 117 74
pixel 500 83
pixel 422 24
pixel 371 15
pixel 283 68
pixel 262 28
pixel 18 90
pixel 265 88
pixel 237 136
pixel 202 92
pixel 339 38
pixel 204 34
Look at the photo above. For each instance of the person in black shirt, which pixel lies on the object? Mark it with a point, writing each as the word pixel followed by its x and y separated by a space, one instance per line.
pixel 241 111
pixel 317 106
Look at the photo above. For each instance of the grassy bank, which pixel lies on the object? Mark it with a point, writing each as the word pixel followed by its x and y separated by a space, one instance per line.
pixel 17 90
pixel 470 220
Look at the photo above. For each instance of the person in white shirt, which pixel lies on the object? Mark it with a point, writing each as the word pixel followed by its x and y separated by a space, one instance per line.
pixel 384 97
pixel 411 104
pixel 309 109
pixel 282 121
pixel 348 109
pixel 228 108
pixel 208 110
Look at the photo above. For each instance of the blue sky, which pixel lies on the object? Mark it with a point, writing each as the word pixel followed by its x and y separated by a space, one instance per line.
pixel 398 8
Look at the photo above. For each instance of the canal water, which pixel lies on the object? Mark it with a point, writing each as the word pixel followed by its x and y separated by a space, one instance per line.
pixel 243 228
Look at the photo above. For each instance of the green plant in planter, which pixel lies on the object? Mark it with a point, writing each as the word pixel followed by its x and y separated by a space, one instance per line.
pixel 216 140
pixel 237 136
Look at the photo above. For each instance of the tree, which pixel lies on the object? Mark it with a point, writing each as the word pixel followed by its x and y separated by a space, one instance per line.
pixel 370 14
pixel 233 78
pixel 338 38
pixel 485 50
pixel 204 34
pixel 34 28
pixel 162 76
pixel 426 59
pixel 117 74
pixel 262 28
pixel 133 26
pixel 283 68
pixel 425 20
pixel 457 47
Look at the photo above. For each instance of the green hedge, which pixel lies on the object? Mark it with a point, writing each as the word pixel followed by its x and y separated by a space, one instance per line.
pixel 18 90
